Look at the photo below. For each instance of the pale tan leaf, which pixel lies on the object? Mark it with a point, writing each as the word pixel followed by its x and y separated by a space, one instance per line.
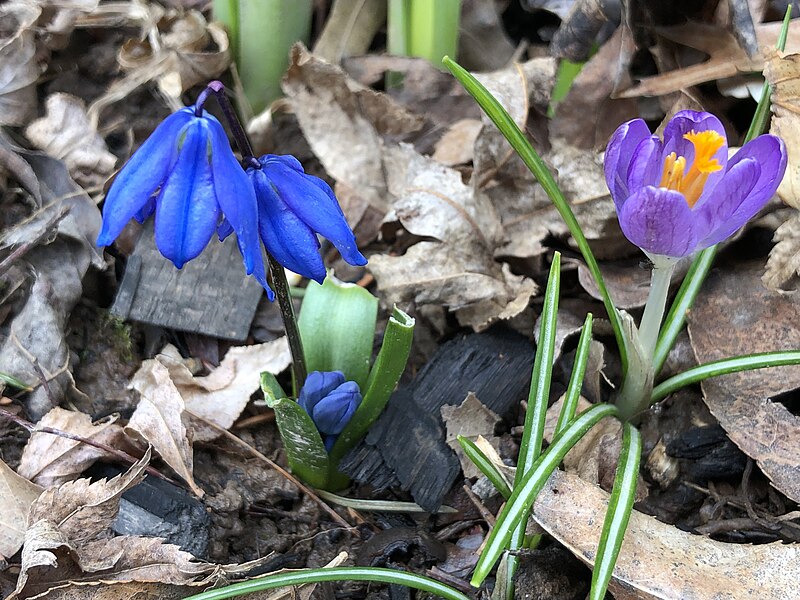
pixel 82 510
pixel 50 460
pixel 783 72
pixel 783 265
pixel 16 496
pixel 18 67
pixel 471 419
pixel 659 561
pixel 221 396
pixel 66 132
pixel 456 146
pixel 158 418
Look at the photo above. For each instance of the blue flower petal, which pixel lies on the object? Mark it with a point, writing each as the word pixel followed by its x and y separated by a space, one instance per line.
pixel 332 414
pixel 618 157
pixel 186 209
pixel 285 236
pixel 237 200
pixel 313 202
pixel 318 384
pixel 141 176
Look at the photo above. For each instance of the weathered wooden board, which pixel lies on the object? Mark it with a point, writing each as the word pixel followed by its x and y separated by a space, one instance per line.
pixel 210 295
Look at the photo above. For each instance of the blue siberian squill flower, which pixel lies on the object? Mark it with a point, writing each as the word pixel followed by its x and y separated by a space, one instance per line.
pixel 186 174
pixel 330 401
pixel 680 195
pixel 293 208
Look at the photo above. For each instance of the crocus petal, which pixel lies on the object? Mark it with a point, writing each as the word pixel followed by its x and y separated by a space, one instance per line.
pixel 186 209
pixel 318 384
pixel 315 206
pixel 141 176
pixel 237 200
pixel 684 122
pixel 618 156
pixel 733 204
pixel 659 221
pixel 645 167
pixel 290 241
pixel 769 152
pixel 332 414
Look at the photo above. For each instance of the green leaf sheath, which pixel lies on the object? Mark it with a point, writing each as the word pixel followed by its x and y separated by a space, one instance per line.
pixel 337 324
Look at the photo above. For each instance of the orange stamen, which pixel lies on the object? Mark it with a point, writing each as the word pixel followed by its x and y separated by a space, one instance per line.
pixel 691 183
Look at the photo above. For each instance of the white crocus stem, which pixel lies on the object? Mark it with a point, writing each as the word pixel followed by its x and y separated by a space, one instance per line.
pixel 650 326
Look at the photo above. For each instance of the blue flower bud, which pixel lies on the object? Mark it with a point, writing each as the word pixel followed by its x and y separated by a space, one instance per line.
pixel 293 208
pixel 186 174
pixel 330 401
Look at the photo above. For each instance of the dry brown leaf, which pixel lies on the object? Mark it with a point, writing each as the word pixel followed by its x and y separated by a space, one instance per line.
pixel 66 133
pixel 783 265
pixel 472 419
pixel 457 145
pixel 187 52
pixel 733 315
pixel 727 58
pixel 50 460
pixel 221 396
pixel 659 561
pixel 158 418
pixel 18 68
pixel 16 496
pixel 782 71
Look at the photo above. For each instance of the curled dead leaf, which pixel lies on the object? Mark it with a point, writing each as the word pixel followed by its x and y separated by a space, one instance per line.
pixel 16 496
pixel 18 68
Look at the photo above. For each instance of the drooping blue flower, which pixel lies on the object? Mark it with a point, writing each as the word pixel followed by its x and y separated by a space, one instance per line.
pixel 330 401
pixel 680 195
pixel 293 208
pixel 187 174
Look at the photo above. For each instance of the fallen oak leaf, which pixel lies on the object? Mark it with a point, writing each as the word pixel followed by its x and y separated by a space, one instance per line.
pixel 158 418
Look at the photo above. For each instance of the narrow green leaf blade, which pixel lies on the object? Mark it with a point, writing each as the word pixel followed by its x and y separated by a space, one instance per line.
pixel 301 440
pixel 503 121
pixel 303 576
pixel 747 362
pixel 337 325
pixel 620 506
pixel 573 393
pixel 524 495
pixel 486 466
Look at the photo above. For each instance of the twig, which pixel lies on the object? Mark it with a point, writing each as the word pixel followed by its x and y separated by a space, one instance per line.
pixel 123 456
pixel 303 488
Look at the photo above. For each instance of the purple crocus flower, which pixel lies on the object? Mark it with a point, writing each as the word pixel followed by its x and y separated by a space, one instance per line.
pixel 680 195
pixel 330 401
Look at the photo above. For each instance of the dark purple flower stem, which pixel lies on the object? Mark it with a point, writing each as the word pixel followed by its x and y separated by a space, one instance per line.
pixel 277 276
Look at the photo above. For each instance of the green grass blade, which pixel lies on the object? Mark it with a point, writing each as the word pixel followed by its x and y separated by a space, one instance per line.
pixel 523 496
pixel 747 362
pixel 690 287
pixel 495 111
pixel 304 576
pixel 14 382
pixel 620 506
pixel 539 395
pixel 573 392
pixel 486 466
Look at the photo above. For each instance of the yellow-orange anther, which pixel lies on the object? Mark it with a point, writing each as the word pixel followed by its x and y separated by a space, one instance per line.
pixel 690 183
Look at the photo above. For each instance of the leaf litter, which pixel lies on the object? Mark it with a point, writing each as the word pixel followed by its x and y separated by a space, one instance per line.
pixel 454 226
